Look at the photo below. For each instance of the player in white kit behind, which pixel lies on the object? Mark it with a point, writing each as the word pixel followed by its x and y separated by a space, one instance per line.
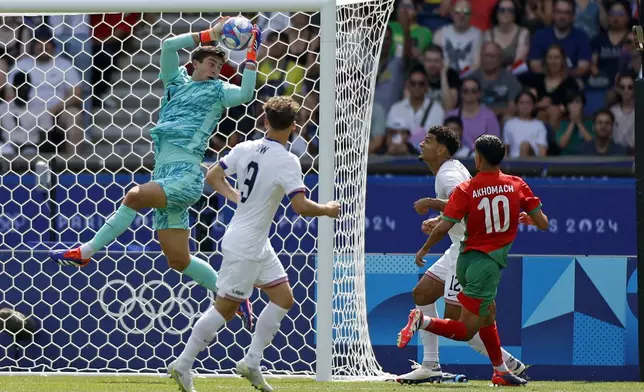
pixel 440 279
pixel 266 172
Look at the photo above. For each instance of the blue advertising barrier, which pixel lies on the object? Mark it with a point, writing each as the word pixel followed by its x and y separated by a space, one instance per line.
pixel 587 217
pixel 580 222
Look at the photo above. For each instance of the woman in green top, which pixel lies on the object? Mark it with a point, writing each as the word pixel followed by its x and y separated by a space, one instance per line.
pixel 575 131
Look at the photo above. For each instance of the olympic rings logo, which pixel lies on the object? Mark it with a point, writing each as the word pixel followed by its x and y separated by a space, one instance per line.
pixel 148 307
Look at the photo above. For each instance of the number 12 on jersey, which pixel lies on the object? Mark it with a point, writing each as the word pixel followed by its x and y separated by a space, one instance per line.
pixel 249 182
pixel 493 218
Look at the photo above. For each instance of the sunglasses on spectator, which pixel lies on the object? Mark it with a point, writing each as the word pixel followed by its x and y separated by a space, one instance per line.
pixel 626 86
pixel 617 13
pixel 470 91
pixel 509 10
pixel 417 83
pixel 462 11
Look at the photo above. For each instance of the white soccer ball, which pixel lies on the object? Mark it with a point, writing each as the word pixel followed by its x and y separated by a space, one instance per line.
pixel 236 33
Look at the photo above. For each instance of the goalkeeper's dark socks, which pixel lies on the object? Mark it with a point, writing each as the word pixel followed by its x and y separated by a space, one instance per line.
pixel 112 228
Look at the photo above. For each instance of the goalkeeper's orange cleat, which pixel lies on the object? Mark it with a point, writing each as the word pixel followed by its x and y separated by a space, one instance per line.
pixel 69 257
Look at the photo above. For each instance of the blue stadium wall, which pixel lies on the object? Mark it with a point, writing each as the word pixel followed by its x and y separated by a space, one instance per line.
pixel 567 303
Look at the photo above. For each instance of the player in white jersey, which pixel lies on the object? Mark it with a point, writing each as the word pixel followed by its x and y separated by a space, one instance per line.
pixel 440 279
pixel 266 172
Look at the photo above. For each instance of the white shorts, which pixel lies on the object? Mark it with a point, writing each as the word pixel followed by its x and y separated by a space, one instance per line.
pixel 444 270
pixel 238 276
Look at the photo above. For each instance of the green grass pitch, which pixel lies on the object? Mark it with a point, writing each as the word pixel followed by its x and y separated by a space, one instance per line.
pixel 157 384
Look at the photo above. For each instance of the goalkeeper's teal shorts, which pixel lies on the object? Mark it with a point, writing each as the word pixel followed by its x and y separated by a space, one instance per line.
pixel 182 183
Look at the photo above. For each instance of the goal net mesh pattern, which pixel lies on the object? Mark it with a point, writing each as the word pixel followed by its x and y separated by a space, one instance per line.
pixel 75 137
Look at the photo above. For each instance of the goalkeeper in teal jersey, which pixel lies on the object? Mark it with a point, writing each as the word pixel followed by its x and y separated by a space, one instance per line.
pixel 190 110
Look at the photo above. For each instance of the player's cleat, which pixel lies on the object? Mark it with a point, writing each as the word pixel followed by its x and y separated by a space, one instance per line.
pixel 69 257
pixel 507 379
pixel 516 367
pixel 254 375
pixel 413 323
pixel 455 378
pixel 182 378
pixel 245 312
pixel 422 374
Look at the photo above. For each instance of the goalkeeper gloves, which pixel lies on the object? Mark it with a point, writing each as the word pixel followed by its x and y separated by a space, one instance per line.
pixel 251 55
pixel 208 37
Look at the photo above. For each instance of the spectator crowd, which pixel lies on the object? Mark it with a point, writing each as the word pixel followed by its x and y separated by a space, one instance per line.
pixel 550 77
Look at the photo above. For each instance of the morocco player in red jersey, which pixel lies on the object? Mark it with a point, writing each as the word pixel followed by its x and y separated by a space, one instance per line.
pixel 493 204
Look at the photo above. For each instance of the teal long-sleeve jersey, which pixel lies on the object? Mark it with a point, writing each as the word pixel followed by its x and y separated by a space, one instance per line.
pixel 191 110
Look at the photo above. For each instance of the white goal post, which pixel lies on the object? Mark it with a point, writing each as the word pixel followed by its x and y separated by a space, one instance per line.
pixel 350 34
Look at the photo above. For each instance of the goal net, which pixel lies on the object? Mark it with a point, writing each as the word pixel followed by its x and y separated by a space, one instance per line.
pixel 80 94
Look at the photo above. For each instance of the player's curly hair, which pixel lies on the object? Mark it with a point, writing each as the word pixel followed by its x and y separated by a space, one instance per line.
pixel 491 148
pixel 202 52
pixel 281 112
pixel 445 136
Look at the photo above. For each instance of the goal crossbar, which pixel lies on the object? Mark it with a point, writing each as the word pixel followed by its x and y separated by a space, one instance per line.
pixel 83 6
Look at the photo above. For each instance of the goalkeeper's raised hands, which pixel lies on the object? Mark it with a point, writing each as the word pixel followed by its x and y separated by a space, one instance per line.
pixel 253 45
pixel 212 35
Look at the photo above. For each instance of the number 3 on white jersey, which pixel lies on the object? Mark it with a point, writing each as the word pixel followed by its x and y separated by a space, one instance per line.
pixel 492 215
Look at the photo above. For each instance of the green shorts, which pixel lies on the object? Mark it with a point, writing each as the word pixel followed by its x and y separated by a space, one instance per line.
pixel 182 183
pixel 479 276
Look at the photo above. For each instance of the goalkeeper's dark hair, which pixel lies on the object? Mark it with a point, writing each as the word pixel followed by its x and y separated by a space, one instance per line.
pixel 281 112
pixel 203 52
pixel 445 136
pixel 491 148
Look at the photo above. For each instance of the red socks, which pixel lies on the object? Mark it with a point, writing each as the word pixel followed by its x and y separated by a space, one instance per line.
pixel 490 337
pixel 457 330
pixel 451 329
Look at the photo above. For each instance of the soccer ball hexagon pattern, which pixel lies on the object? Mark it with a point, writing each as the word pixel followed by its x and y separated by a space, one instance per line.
pixel 236 33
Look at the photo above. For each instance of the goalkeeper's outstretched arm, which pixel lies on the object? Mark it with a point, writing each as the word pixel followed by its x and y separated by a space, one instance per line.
pixel 170 56
pixel 233 95
pixel 170 47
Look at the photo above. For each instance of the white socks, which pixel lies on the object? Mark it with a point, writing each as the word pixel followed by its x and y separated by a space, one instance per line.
pixel 267 326
pixel 429 340
pixel 477 344
pixel 503 368
pixel 86 250
pixel 202 335
pixel 211 321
